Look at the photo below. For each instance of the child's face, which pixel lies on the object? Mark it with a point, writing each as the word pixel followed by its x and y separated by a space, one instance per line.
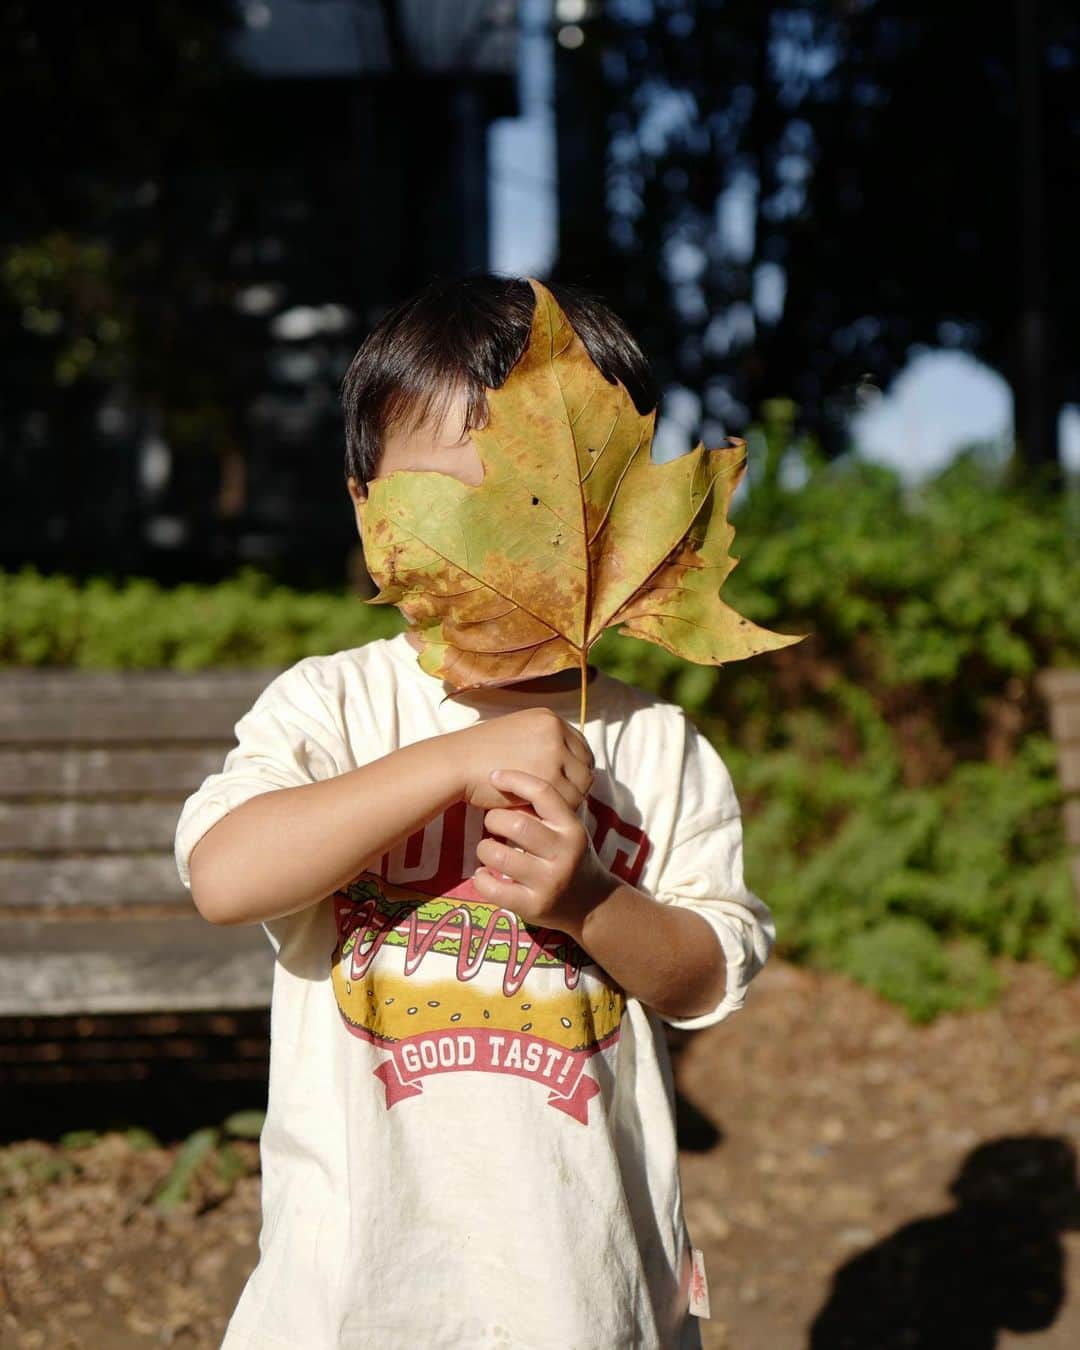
pixel 439 446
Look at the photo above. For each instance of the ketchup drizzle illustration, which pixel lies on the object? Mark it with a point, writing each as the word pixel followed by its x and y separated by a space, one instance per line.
pixel 446 982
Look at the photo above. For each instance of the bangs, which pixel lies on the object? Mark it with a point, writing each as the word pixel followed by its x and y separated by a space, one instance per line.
pixel 428 401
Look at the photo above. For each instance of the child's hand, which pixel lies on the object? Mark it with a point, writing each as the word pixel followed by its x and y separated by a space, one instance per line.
pixel 534 740
pixel 552 874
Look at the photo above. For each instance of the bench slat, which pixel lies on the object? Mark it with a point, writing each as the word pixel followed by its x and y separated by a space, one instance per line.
pixel 144 965
pixel 89 827
pixel 1065 723
pixel 106 879
pixel 107 772
pixel 1059 684
pixel 94 768
pixel 124 720
pixel 1061 690
pixel 1069 767
pixel 47 684
pixel 94 707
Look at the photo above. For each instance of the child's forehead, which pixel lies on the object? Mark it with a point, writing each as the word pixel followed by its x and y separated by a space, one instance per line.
pixel 433 408
pixel 439 441
pixel 442 416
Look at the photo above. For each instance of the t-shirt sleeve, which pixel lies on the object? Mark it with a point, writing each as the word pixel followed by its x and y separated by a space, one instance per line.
pixel 703 871
pixel 286 739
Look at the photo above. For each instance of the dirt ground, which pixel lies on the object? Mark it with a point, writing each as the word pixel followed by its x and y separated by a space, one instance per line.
pixel 856 1183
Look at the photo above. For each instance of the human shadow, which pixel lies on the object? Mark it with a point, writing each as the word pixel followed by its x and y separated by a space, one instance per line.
pixel 952 1281
pixel 694 1131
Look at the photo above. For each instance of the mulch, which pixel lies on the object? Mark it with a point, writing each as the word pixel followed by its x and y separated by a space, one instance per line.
pixel 855 1182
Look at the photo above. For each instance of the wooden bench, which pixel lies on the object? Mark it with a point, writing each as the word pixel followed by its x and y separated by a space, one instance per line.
pixel 94 768
pixel 1061 690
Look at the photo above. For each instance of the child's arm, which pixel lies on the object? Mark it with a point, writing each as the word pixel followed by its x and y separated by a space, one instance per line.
pixel 281 851
pixel 667 956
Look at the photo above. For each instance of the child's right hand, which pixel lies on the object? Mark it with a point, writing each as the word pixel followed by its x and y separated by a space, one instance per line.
pixel 535 740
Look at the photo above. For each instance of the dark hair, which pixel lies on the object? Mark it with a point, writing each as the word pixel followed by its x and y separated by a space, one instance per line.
pixel 466 333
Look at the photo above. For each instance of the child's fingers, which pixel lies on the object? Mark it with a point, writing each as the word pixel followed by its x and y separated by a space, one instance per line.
pixel 524 829
pixel 581 766
pixel 515 863
pixel 506 894
pixel 549 803
pixel 578 746
pixel 578 778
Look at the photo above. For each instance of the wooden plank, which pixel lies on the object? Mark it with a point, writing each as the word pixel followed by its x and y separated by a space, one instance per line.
pixel 1069 767
pixel 120 721
pixel 106 773
pixel 110 707
pixel 1059 684
pixel 1065 723
pixel 1061 690
pixel 106 879
pixel 1072 823
pixel 145 965
pixel 50 683
pixel 89 827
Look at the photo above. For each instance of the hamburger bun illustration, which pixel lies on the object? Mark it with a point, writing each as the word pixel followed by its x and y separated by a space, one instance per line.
pixel 407 963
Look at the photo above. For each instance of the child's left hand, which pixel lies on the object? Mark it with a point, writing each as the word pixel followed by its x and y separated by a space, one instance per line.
pixel 553 875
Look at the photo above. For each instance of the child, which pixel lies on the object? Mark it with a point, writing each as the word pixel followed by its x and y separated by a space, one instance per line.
pixel 481 919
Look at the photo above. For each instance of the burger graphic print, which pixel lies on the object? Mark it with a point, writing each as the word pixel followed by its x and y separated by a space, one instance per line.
pixel 446 982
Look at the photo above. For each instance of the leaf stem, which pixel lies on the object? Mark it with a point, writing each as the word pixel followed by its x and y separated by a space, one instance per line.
pixel 584 687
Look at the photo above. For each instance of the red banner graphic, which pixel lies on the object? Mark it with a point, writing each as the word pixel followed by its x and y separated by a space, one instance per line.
pixel 478 1049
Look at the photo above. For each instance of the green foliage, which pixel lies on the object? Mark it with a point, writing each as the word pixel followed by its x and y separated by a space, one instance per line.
pixel 64 289
pixel 199 1145
pixel 244 1124
pixel 248 620
pixel 47 1169
pixel 212 1154
pixel 229 1165
pixel 904 960
pixel 937 579
pixel 870 877
pixel 76 1139
pixel 903 815
pixel 140 1139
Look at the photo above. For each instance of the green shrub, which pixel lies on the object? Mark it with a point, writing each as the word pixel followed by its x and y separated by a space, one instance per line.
pixel 849 859
pixel 248 620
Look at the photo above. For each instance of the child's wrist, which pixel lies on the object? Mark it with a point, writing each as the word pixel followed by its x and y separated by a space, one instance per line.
pixel 437 764
pixel 454 765
pixel 595 892
pixel 455 762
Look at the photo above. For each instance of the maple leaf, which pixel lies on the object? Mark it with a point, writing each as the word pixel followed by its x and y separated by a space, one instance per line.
pixel 573 530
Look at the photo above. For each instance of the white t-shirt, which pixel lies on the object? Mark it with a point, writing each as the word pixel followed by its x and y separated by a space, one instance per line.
pixel 469 1138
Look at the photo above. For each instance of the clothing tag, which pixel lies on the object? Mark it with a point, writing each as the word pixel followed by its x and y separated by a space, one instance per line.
pixel 699 1285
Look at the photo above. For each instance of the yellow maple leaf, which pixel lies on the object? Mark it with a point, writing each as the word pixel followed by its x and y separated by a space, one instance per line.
pixel 573 530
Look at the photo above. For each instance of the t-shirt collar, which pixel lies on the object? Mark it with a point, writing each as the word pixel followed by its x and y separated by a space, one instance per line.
pixel 565 701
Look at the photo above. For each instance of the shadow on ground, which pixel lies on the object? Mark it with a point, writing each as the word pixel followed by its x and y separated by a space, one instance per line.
pixel 953 1281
